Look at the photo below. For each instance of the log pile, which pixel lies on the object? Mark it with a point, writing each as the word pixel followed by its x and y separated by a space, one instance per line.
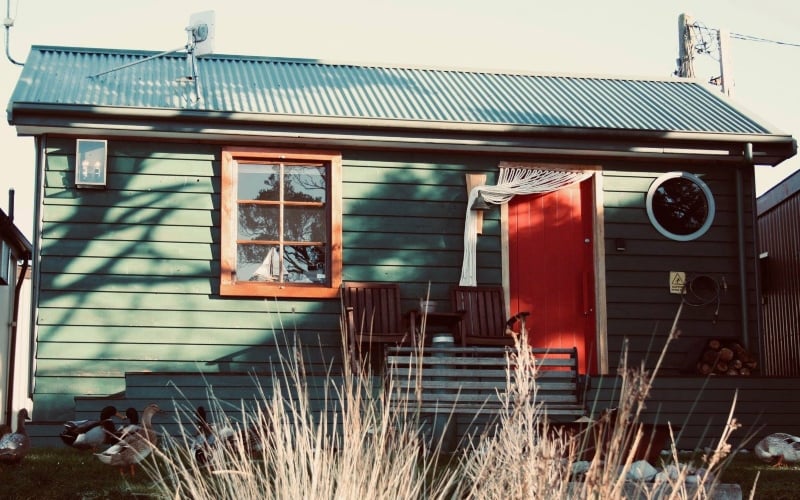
pixel 721 357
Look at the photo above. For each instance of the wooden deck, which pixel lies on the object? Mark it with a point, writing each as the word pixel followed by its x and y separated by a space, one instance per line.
pixel 697 406
pixel 470 380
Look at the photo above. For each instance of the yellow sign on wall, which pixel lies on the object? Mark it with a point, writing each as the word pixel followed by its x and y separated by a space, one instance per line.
pixel 677 279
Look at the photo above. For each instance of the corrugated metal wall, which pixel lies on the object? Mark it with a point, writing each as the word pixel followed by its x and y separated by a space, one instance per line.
pixel 779 235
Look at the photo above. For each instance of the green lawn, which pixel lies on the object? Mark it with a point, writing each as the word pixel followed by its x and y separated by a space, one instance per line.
pixel 55 473
pixel 774 483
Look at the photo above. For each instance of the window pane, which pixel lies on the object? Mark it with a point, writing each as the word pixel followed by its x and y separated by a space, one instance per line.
pixel 258 182
pixel 259 222
pixel 305 264
pixel 304 224
pixel 680 206
pixel 257 262
pixel 281 226
pixel 304 183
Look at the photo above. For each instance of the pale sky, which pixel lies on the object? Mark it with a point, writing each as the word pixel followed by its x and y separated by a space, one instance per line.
pixel 612 37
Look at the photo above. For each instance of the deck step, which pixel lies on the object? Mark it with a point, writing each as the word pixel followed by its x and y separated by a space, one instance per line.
pixel 178 394
pixel 45 434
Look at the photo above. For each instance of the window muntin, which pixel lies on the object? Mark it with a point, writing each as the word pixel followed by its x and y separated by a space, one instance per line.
pixel 680 206
pixel 281 223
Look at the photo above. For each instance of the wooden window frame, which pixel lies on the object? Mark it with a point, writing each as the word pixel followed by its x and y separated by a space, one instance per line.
pixel 229 286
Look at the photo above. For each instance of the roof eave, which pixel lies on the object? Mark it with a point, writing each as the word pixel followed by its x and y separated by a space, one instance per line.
pixel 37 119
pixel 10 233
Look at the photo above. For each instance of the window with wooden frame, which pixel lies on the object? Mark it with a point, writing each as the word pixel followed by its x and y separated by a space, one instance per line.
pixel 281 223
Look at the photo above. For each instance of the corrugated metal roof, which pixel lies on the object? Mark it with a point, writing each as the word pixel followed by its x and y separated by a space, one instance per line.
pixel 259 85
pixel 784 190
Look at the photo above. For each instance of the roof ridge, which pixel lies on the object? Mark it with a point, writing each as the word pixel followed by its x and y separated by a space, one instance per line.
pixel 363 64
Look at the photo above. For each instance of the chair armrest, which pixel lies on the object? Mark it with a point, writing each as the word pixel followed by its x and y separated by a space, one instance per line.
pixel 520 316
pixel 350 320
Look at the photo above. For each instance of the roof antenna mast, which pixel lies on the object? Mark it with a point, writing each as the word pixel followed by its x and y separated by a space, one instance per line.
pixel 200 42
pixel 8 23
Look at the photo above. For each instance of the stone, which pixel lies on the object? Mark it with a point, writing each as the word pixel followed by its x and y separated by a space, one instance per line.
pixel 641 470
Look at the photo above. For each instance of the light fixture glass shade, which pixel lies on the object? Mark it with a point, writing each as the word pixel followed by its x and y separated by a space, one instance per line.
pixel 480 204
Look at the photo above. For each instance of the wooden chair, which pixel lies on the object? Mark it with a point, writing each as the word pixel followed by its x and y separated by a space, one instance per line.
pixel 484 322
pixel 373 319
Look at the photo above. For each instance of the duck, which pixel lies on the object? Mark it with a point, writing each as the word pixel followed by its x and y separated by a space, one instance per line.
pixel 132 420
pixel 778 449
pixel 15 445
pixel 91 434
pixel 134 444
pixel 208 436
pixel 202 440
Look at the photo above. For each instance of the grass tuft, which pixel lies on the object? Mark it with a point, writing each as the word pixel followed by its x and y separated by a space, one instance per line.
pixel 358 446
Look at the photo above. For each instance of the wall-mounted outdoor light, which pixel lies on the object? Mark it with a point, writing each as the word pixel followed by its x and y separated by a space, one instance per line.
pixel 90 163
pixel 480 204
pixel 474 180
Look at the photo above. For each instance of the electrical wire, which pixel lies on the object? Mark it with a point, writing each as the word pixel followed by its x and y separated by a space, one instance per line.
pixel 708 43
pixel 708 39
pixel 703 290
pixel 751 38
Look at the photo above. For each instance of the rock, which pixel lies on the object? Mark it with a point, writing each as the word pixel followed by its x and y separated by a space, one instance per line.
pixel 642 471
pixel 580 467
pixel 669 472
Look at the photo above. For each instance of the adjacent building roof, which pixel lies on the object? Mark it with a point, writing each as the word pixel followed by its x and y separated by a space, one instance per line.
pixel 13 237
pixel 125 83
pixel 784 190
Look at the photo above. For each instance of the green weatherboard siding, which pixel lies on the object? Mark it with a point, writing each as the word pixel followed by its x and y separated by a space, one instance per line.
pixel 129 274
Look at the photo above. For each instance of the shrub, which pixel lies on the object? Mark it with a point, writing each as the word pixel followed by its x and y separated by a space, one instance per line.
pixel 360 447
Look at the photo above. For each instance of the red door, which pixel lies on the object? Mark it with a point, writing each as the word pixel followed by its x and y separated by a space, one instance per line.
pixel 552 268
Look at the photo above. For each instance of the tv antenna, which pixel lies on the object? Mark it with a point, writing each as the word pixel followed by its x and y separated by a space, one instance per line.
pixel 200 34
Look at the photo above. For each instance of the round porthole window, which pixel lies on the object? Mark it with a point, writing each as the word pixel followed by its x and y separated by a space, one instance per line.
pixel 680 206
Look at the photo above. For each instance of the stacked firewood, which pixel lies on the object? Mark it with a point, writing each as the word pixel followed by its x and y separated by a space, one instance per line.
pixel 721 357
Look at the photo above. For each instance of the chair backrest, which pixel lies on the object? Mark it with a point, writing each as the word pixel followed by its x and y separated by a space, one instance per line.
pixel 484 311
pixel 376 307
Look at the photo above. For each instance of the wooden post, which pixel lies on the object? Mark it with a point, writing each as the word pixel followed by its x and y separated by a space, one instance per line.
pixel 472 181
pixel 685 47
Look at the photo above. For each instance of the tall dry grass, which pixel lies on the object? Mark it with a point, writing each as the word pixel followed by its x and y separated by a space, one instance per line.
pixel 360 447
pixel 530 457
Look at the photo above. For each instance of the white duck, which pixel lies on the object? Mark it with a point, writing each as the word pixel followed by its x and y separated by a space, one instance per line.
pixel 778 449
pixel 135 444
pixel 15 445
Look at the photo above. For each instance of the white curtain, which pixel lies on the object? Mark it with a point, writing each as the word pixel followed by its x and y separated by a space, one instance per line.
pixel 511 181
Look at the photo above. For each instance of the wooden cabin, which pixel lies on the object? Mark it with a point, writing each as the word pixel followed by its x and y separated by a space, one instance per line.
pixel 159 253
